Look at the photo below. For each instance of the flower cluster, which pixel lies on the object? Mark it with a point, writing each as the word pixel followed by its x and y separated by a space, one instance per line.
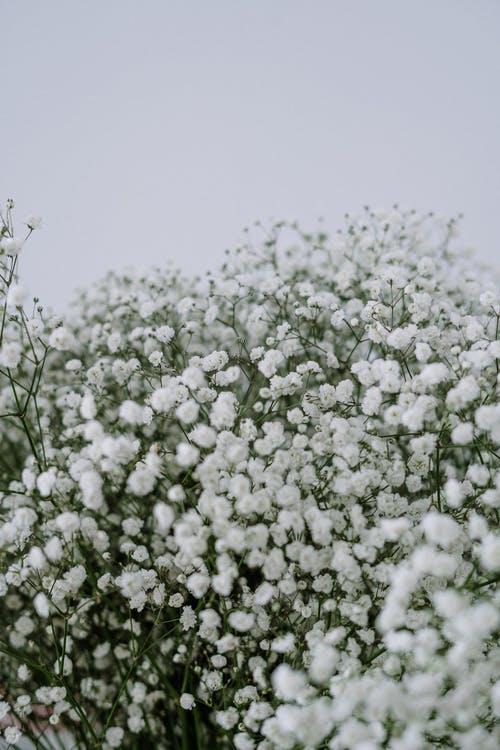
pixel 259 510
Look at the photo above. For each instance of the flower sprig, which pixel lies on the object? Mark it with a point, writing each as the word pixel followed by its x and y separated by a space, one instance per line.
pixel 259 510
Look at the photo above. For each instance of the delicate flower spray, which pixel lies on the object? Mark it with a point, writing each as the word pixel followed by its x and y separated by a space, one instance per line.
pixel 258 510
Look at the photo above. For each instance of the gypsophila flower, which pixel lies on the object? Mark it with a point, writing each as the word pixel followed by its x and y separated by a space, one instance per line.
pixel 61 339
pixel 11 245
pixel 10 354
pixel 257 510
pixel 16 295
pixel 187 701
pixel 11 735
pixel 33 222
pixel 187 618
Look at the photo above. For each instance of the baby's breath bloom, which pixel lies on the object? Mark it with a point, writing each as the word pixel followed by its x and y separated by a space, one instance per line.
pixel 276 488
pixel 187 701
pixel 61 339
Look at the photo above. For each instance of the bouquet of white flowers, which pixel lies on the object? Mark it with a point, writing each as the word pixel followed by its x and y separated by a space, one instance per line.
pixel 257 510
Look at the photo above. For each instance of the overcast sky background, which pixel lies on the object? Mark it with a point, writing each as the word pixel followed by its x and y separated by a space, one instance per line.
pixel 149 130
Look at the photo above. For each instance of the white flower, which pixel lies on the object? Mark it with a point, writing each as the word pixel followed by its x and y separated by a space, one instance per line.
pixel 441 529
pixel 36 559
pixel 114 736
pixel 141 481
pixel 241 621
pixel 11 245
pixel 132 413
pixel 61 339
pixel 88 408
pixel 422 351
pixel 270 362
pixel 164 516
pixel 75 577
pixel 163 399
pixel 394 528
pixel 165 334
pixel 463 433
pixel 198 584
pixel 284 644
pixel 12 735
pixel 371 401
pixel 73 365
pixel 188 618
pixel 176 600
pixel 10 354
pixel 91 487
pixel 462 394
pixel 68 522
pixel 41 604
pixel 325 658
pixel 327 395
pixel 400 338
pixel 33 222
pixel 434 374
pixel 187 455
pixel 223 412
pixel 288 683
pixel 489 552
pixel 135 724
pixel 155 358
pixel 295 481
pixel 45 482
pixel 187 412
pixel 53 547
pixel 114 341
pixel 16 295
pixel 488 418
pixel 187 701
pixel 203 436
pixel 214 361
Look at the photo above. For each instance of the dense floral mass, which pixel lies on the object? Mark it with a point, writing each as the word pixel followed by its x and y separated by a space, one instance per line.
pixel 257 510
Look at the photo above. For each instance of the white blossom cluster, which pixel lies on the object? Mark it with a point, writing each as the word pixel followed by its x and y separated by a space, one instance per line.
pixel 261 509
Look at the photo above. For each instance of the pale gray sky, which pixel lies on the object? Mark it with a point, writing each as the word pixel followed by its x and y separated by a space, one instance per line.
pixel 146 130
